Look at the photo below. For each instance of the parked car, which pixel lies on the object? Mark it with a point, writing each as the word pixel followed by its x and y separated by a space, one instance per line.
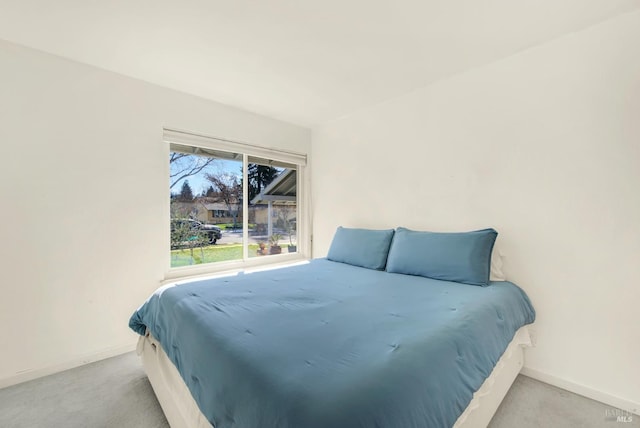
pixel 199 229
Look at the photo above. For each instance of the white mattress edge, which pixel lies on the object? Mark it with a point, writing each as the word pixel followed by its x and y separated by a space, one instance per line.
pixel 487 398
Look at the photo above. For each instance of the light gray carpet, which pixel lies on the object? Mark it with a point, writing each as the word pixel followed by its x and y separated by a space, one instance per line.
pixel 116 393
pixel 530 403
pixel 111 393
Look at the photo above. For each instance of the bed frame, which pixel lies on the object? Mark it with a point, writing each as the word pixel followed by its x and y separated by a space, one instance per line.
pixel 182 411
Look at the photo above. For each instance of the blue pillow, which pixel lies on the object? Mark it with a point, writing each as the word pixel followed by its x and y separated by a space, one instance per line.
pixel 361 247
pixel 460 257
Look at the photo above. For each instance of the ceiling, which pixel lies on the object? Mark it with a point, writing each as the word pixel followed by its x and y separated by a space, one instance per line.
pixel 305 61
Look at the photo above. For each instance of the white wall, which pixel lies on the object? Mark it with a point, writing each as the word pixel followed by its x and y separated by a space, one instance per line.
pixel 545 147
pixel 84 216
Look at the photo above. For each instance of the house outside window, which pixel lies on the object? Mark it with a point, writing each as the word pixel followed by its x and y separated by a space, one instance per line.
pixel 213 183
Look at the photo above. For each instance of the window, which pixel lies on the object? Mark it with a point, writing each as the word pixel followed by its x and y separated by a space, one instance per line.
pixel 220 213
pixel 233 203
pixel 273 203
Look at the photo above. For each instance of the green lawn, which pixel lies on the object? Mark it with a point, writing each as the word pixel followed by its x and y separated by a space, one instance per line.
pixel 225 226
pixel 210 254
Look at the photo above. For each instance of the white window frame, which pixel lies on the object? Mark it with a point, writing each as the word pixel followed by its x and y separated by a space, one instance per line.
pixel 303 227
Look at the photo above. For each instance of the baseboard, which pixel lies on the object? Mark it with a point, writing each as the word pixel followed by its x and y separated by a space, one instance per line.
pixel 76 362
pixel 585 391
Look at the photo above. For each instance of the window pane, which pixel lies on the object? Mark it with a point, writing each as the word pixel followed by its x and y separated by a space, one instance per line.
pixel 206 205
pixel 272 208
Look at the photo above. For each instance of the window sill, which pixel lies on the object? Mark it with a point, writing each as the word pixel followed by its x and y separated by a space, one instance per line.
pixel 189 273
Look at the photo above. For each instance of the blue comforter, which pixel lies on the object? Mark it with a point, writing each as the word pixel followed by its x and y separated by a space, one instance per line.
pixel 332 345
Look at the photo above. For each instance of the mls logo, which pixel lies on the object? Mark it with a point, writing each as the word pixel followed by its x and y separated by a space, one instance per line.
pixel 616 415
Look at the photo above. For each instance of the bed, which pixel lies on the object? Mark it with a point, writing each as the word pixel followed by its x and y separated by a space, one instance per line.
pixel 332 344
